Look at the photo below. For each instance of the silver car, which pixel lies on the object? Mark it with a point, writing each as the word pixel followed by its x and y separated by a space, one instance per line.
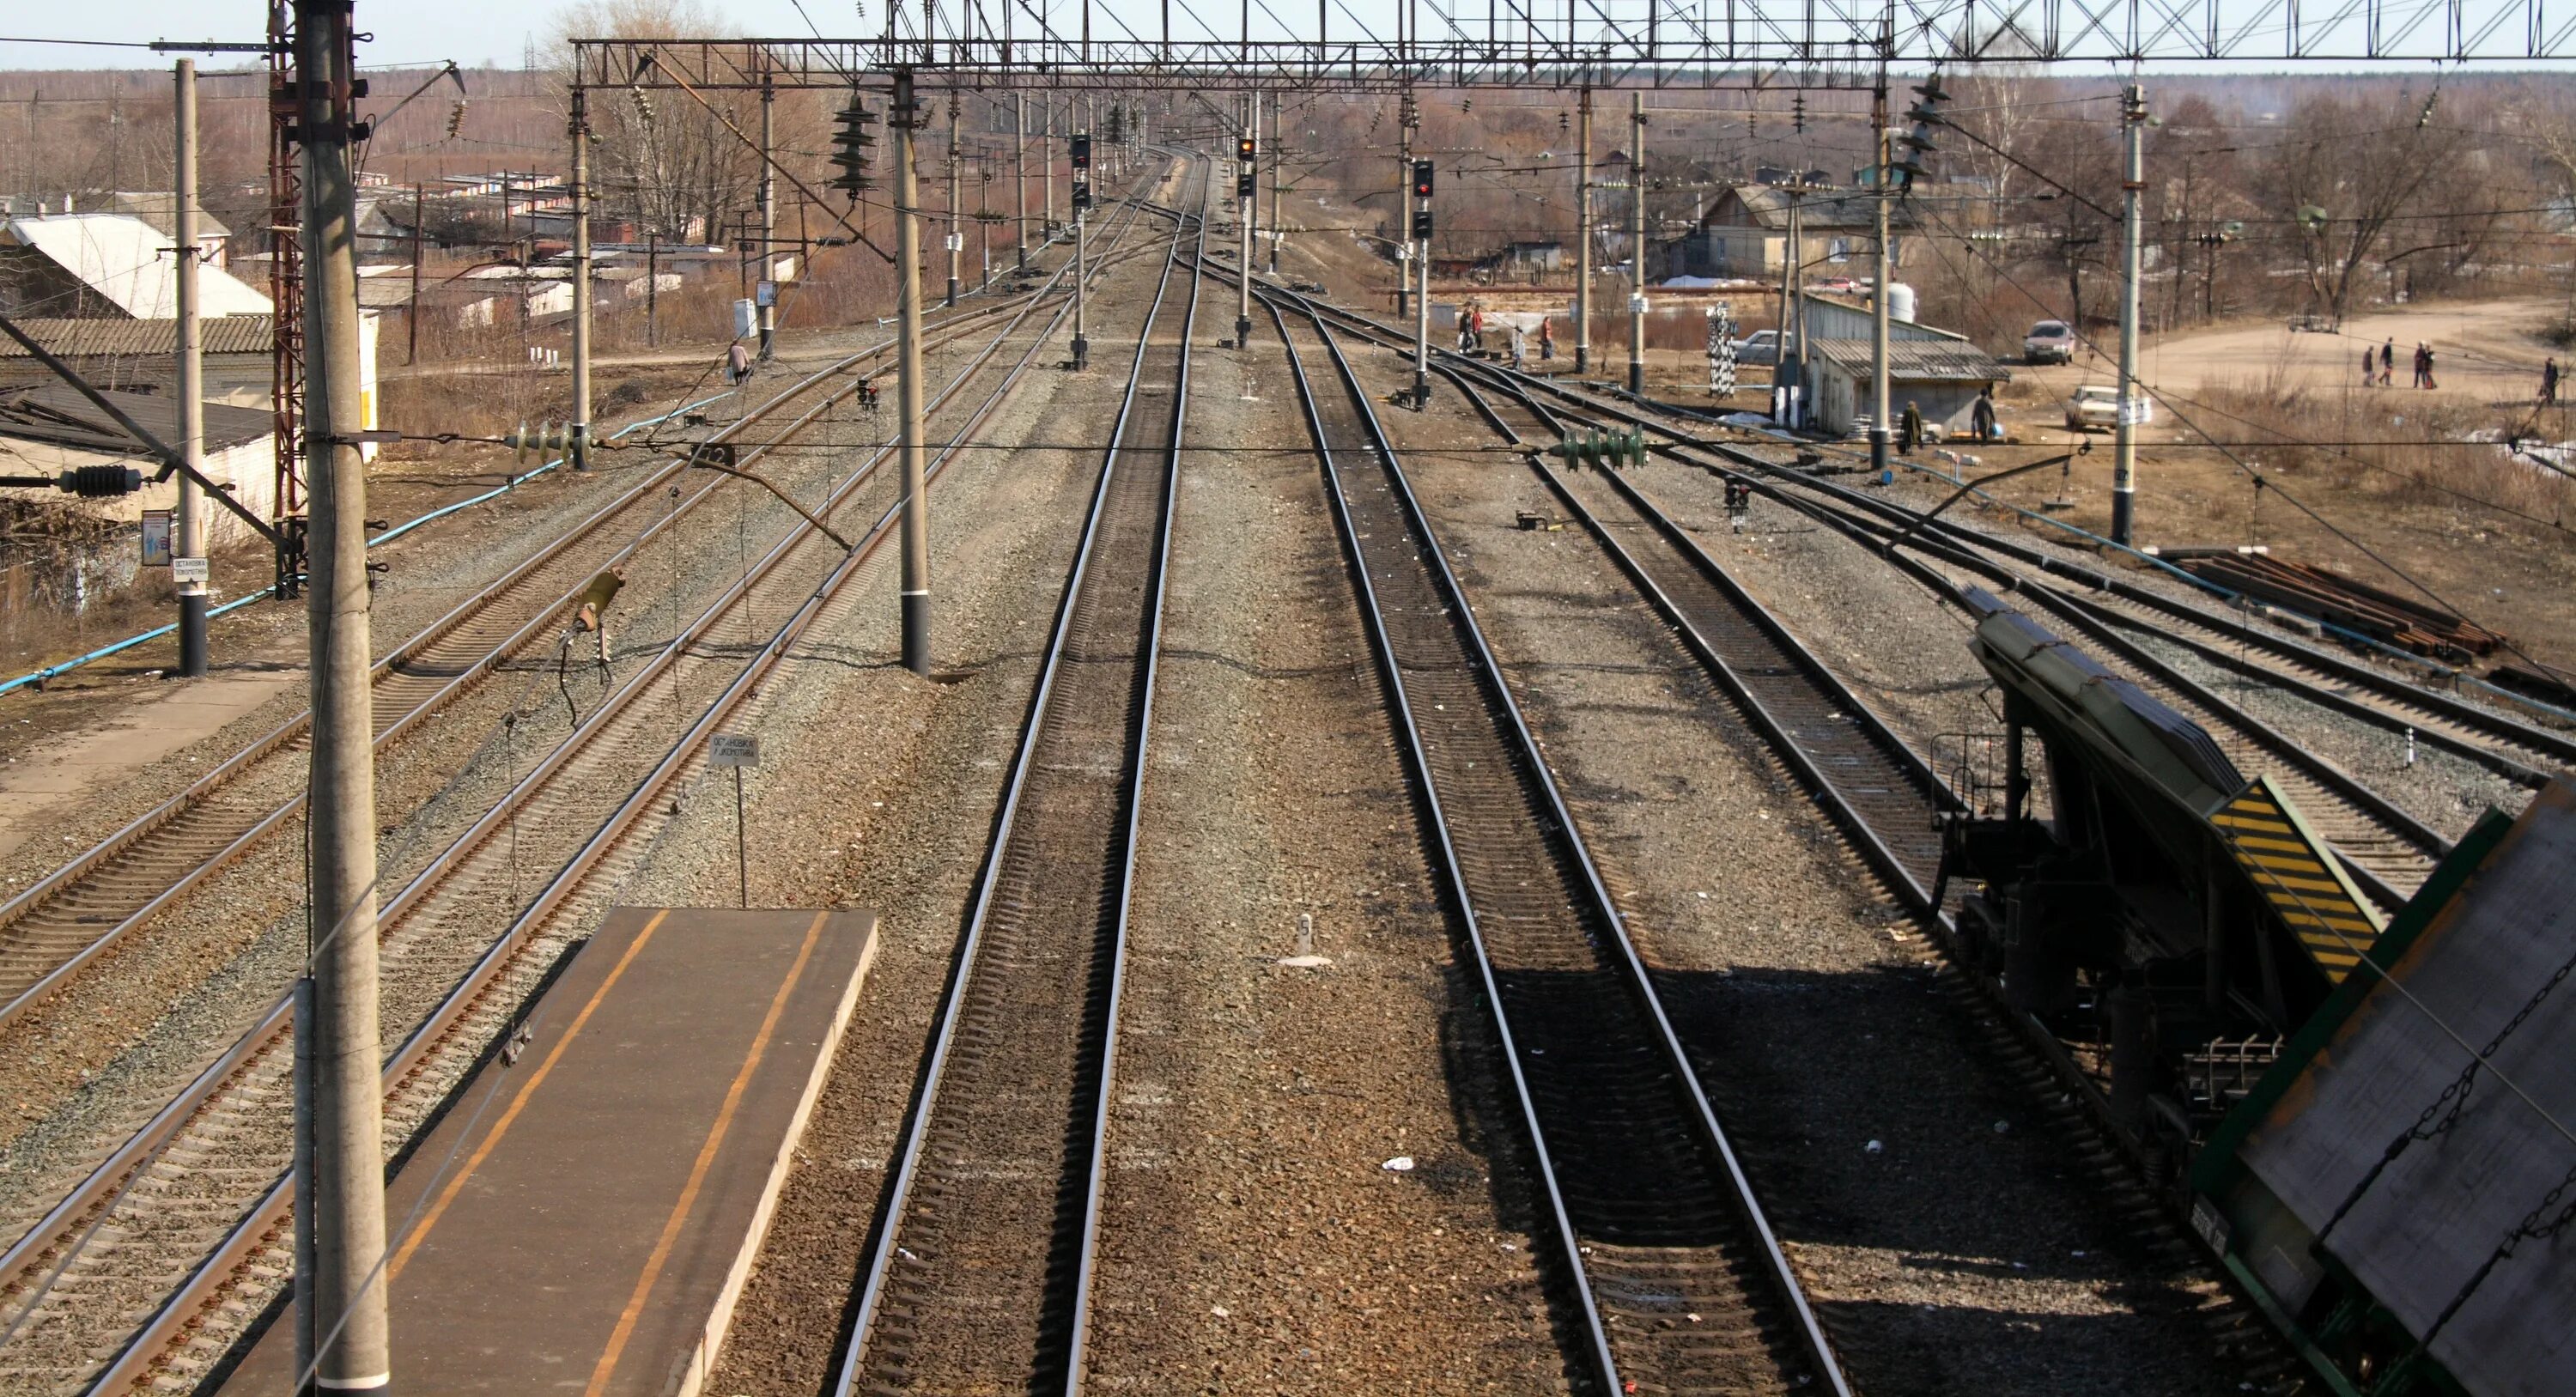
pixel 2049 342
pixel 1760 347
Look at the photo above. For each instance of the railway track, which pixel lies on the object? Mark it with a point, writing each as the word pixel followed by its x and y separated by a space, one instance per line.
pixel 187 1223
pixel 1678 1284
pixel 2524 752
pixel 2388 851
pixel 980 1273
pixel 1885 798
pixel 84 909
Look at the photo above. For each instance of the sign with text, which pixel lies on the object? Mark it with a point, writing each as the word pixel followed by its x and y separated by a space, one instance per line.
pixel 188 570
pixel 733 749
pixel 156 538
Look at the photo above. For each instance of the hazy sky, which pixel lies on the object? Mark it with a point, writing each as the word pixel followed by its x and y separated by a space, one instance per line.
pixel 407 31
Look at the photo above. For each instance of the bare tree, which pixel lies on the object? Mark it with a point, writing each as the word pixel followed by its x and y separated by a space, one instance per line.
pixel 2347 174
pixel 664 159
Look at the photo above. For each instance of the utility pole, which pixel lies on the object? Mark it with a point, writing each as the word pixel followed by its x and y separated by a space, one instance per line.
pixel 580 432
pixel 1046 161
pixel 191 541
pixel 411 321
pixel 768 211
pixel 653 286
pixel 1637 243
pixel 1020 202
pixel 905 117
pixel 956 236
pixel 2124 451
pixel 343 1205
pixel 1879 293
pixel 1277 115
pixel 1793 308
pixel 1583 233
pixel 1420 207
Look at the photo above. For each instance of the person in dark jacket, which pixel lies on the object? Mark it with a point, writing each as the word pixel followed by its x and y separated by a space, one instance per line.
pixel 2549 383
pixel 1909 430
pixel 1982 416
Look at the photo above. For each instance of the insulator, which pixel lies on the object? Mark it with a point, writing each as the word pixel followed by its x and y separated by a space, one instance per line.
pixel 98 482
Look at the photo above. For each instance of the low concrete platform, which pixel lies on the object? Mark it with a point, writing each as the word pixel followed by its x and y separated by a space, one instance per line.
pixel 583 1220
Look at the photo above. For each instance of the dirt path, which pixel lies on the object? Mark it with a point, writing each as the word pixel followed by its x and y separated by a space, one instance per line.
pixel 2486 347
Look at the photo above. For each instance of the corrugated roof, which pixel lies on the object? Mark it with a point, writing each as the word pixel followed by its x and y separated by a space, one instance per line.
pixel 154 206
pixel 1818 212
pixel 103 338
pixel 58 413
pixel 122 259
pixel 1940 360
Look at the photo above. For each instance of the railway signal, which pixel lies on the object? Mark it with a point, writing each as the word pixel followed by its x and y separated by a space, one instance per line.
pixel 1422 179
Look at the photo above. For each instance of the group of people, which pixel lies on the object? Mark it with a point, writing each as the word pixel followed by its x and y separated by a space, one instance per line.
pixel 1471 335
pixel 2379 366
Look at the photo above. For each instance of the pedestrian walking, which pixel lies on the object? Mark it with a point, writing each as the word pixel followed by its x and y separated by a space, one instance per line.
pixel 1982 416
pixel 2387 361
pixel 1516 347
pixel 1546 339
pixel 2427 352
pixel 1909 431
pixel 738 363
pixel 2549 383
pixel 2421 356
pixel 2369 367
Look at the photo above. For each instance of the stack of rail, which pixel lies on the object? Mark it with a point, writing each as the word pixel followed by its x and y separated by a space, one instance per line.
pixel 2338 600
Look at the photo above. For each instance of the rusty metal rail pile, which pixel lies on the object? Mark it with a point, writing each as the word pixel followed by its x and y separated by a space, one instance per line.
pixel 2331 597
pixel 183 1229
pixel 980 1273
pixel 1677 1282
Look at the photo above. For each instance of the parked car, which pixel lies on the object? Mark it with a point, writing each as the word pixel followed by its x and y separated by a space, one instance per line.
pixel 2098 405
pixel 1760 347
pixel 2049 342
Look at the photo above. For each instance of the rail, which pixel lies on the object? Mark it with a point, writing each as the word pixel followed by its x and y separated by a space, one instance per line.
pixel 980 1274
pixel 1681 1283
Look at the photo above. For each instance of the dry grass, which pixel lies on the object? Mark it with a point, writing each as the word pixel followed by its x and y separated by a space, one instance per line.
pixel 2415 448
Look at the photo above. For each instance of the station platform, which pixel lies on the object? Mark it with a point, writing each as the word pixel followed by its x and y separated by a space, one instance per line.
pixel 583 1219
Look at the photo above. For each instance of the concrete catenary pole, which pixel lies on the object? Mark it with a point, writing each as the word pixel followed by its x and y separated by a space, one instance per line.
pixel 907 255
pixel 581 281
pixel 1046 160
pixel 1421 305
pixel 1020 200
pixel 956 233
pixel 1879 295
pixel 190 542
pixel 768 211
pixel 2124 451
pixel 347 1203
pixel 1792 366
pixel 1277 116
pixel 1637 242
pixel 1583 232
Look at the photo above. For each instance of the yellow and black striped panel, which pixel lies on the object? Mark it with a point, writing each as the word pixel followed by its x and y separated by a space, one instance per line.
pixel 2291 867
